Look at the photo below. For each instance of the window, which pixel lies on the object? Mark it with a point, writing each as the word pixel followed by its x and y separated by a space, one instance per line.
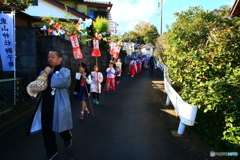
pixel 100 13
pixel 35 3
pixel 91 13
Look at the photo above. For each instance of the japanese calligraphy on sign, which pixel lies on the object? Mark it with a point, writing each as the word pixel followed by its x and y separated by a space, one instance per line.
pixel 7 42
pixel 96 51
pixel 112 47
pixel 76 48
pixel 116 52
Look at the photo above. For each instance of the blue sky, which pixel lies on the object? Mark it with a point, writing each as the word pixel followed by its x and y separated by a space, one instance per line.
pixel 127 13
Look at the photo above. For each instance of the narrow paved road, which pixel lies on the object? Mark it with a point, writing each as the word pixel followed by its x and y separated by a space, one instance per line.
pixel 130 124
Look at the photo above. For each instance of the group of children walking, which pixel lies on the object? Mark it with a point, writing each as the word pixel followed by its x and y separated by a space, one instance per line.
pixel 135 66
pixel 89 83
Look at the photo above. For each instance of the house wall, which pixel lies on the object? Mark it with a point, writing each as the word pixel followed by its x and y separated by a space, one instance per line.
pixel 145 51
pixel 83 9
pixel 70 4
pixel 45 9
pixel 21 22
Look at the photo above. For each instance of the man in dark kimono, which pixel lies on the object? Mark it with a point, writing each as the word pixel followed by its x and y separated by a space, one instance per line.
pixel 152 64
pixel 54 110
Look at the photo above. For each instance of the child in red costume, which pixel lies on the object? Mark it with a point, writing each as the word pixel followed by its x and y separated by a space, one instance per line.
pixel 132 68
pixel 110 78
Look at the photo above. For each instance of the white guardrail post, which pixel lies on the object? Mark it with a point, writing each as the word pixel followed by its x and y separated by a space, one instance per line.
pixel 167 101
pixel 186 112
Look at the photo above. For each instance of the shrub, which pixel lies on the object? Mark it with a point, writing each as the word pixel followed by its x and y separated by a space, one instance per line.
pixel 203 60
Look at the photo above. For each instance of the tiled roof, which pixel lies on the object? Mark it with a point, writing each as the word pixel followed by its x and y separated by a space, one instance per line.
pixel 143 46
pixel 95 1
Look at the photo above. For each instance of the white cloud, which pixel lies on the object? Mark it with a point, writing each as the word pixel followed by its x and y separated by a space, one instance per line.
pixel 127 13
pixel 230 3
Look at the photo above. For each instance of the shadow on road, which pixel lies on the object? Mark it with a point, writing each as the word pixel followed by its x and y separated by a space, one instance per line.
pixel 131 123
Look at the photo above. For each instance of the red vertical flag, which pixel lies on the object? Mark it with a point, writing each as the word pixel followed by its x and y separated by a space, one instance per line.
pixel 76 48
pixel 112 47
pixel 96 51
pixel 116 52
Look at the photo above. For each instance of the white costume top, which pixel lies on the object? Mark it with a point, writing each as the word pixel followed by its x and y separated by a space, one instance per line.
pixel 133 62
pixel 119 64
pixel 97 79
pixel 110 72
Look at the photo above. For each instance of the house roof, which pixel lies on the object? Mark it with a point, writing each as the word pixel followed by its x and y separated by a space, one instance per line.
pixel 71 10
pixel 146 45
pixel 105 4
pixel 235 11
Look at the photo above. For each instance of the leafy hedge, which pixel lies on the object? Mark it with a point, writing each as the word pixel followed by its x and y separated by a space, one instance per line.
pixel 203 57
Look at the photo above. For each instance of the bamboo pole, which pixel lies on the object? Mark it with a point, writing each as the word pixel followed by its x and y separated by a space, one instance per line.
pixel 88 93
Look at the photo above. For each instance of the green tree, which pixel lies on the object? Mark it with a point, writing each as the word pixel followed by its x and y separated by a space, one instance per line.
pixel 159 48
pixel 147 31
pixel 132 36
pixel 100 26
pixel 18 4
pixel 143 33
pixel 203 59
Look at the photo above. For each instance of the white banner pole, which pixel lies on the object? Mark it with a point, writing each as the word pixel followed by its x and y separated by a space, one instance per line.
pixel 14 55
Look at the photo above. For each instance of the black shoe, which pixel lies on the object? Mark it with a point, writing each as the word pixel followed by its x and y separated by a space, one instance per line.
pixel 50 157
pixel 68 144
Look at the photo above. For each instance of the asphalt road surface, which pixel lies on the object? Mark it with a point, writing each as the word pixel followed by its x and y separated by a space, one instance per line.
pixel 130 124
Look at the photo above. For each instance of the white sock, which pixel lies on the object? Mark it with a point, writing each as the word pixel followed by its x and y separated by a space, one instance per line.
pixel 86 109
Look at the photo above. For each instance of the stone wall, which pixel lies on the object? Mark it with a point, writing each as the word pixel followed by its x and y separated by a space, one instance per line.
pixel 31 58
pixel 47 43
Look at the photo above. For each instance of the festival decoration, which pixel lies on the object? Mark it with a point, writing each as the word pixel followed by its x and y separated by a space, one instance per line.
pixel 44 28
pixel 58 28
pixel 116 52
pixel 96 51
pixel 76 48
pixel 112 48
pixel 83 25
pixel 51 22
pixel 61 31
pixel 78 27
pixel 100 27
pixel 114 39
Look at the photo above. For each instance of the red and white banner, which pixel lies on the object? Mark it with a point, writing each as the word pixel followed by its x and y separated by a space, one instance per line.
pixel 96 51
pixel 77 53
pixel 112 47
pixel 116 52
pixel 7 42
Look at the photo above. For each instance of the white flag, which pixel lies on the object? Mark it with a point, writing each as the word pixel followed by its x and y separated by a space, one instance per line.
pixel 7 42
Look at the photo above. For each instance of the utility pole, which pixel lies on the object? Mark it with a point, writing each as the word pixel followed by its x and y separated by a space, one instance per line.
pixel 160 4
pixel 116 28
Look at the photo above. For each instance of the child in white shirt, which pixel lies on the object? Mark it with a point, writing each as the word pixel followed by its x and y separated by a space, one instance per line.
pixel 95 87
pixel 110 83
